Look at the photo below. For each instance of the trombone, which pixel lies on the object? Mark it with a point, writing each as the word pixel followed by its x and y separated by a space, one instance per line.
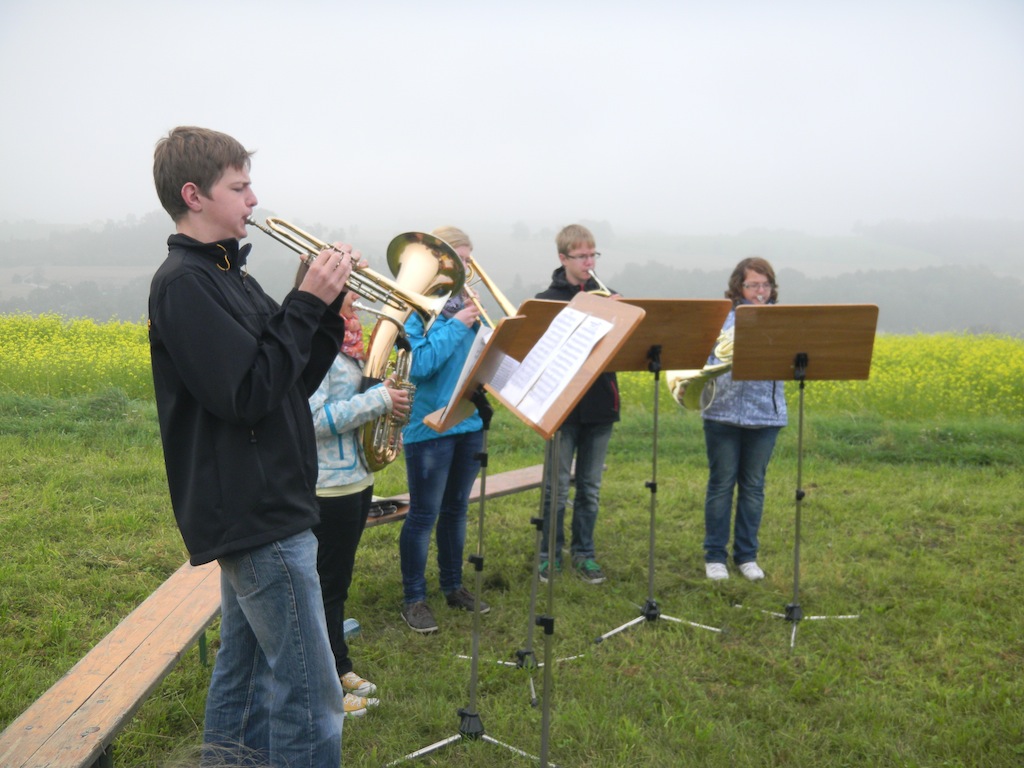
pixel 475 274
pixel 369 284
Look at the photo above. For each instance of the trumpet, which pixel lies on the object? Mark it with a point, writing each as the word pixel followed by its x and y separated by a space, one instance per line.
pixel 369 284
pixel 602 289
pixel 475 274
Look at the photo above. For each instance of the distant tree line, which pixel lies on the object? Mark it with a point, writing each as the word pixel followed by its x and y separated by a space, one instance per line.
pixel 944 296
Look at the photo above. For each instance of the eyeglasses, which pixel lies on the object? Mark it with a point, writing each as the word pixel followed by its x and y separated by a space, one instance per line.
pixel 758 286
pixel 580 257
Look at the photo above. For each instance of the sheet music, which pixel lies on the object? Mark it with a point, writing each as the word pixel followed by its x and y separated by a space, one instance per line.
pixel 506 368
pixel 479 343
pixel 565 322
pixel 554 361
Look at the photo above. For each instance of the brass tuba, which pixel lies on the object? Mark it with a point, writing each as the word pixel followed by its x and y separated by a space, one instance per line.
pixel 687 387
pixel 423 265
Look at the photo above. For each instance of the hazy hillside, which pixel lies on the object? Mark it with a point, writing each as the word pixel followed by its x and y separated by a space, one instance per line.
pixel 944 276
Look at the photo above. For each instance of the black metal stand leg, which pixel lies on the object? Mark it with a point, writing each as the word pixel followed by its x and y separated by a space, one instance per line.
pixel 650 610
pixel 470 724
pixel 793 613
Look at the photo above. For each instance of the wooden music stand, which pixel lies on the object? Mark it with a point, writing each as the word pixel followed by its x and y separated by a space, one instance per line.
pixel 674 334
pixel 521 334
pixel 803 342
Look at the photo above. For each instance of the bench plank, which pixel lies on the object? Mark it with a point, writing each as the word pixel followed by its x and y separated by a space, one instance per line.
pixel 79 716
pixel 501 484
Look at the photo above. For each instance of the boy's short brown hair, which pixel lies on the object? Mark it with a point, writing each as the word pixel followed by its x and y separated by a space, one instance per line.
pixel 199 155
pixel 573 236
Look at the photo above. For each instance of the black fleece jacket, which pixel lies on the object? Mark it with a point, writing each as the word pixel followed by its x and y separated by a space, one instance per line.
pixel 233 371
pixel 600 404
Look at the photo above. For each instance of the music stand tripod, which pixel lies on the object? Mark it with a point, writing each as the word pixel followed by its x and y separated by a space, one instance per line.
pixel 651 610
pixel 470 724
pixel 839 339
pixel 525 657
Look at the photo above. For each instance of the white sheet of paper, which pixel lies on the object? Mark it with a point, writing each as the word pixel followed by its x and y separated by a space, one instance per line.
pixel 479 342
pixel 547 347
pixel 562 367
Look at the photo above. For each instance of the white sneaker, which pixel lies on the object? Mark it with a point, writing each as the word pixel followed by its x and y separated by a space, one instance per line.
pixel 716 571
pixel 751 571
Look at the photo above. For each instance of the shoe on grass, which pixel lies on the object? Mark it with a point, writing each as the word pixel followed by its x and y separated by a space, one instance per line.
pixel 419 618
pixel 751 571
pixel 354 684
pixel 716 571
pixel 543 569
pixel 356 706
pixel 463 599
pixel 589 571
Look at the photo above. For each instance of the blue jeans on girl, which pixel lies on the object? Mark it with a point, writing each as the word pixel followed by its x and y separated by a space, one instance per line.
pixel 737 456
pixel 440 474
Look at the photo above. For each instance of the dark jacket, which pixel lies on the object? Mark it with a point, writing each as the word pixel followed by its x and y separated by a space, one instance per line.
pixel 233 371
pixel 600 404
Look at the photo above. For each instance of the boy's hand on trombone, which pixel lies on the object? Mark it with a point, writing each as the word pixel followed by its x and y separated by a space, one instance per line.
pixel 329 271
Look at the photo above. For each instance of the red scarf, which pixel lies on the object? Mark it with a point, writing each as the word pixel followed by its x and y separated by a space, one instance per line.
pixel 353 344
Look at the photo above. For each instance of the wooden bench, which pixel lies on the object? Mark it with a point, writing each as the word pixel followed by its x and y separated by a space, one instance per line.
pixel 500 484
pixel 74 724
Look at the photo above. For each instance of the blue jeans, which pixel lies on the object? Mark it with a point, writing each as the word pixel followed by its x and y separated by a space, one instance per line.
pixel 589 442
pixel 274 698
pixel 737 456
pixel 440 474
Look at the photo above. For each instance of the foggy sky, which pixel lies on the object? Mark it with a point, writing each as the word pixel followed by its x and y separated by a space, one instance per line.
pixel 681 116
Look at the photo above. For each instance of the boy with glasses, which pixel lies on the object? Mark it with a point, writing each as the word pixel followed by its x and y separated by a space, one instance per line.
pixel 588 428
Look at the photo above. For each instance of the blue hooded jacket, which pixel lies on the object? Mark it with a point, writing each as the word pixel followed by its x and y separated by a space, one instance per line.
pixel 437 360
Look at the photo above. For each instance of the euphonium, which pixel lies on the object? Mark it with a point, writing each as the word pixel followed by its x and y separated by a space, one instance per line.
pixel 475 274
pixel 425 265
pixel 688 386
pixel 602 289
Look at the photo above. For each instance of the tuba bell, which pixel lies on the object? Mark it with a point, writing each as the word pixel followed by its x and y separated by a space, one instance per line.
pixel 423 265
pixel 688 386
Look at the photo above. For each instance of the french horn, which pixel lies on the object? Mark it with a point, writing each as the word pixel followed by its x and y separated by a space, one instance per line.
pixel 688 386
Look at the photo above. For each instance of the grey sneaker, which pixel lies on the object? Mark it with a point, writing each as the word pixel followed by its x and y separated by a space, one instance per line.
pixel 589 571
pixel 419 618
pixel 463 599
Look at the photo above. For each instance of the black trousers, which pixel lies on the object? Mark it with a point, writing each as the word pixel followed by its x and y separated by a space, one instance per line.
pixel 342 520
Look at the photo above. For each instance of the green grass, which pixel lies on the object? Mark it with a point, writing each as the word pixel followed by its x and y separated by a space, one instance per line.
pixel 914 524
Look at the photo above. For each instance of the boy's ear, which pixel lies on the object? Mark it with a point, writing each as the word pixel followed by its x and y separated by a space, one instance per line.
pixel 190 194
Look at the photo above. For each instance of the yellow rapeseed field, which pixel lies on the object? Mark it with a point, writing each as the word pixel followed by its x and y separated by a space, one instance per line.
pixel 50 355
pixel 917 376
